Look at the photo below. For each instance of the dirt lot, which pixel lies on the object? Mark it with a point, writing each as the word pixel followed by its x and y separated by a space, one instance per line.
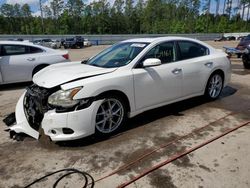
pixel 224 162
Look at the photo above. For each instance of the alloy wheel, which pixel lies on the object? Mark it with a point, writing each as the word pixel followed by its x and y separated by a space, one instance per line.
pixel 215 86
pixel 109 116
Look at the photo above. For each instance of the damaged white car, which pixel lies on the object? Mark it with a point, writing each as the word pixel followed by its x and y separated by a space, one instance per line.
pixel 71 101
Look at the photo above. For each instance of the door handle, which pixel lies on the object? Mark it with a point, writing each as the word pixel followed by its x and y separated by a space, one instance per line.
pixel 176 71
pixel 209 64
pixel 31 59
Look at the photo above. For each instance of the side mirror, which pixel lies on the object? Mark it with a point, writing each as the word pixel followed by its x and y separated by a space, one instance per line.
pixel 151 62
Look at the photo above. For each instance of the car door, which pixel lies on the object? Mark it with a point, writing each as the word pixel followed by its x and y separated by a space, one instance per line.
pixel 16 63
pixel 158 84
pixel 194 62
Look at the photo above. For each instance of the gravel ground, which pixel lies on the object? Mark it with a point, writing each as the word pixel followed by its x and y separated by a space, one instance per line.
pixel 222 163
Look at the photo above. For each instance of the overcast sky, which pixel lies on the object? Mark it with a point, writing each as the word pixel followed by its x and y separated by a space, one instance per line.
pixel 34 4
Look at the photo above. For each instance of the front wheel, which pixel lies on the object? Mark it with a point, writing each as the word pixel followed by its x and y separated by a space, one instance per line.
pixel 110 116
pixel 214 86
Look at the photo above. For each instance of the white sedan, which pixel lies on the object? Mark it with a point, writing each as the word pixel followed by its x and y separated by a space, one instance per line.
pixel 71 101
pixel 19 61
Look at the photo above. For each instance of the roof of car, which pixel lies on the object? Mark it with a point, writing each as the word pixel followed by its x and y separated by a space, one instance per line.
pixel 16 42
pixel 156 39
pixel 26 43
pixel 169 38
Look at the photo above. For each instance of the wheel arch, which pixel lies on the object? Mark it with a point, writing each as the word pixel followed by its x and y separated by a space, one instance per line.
pixel 219 71
pixel 39 66
pixel 116 93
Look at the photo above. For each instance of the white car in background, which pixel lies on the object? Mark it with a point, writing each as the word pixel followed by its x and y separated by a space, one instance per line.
pixel 71 101
pixel 87 43
pixel 48 43
pixel 19 61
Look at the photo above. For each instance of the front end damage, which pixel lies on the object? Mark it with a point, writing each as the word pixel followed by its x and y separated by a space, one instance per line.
pixel 29 112
pixel 34 116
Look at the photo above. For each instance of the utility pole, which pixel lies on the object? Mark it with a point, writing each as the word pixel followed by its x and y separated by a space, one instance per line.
pixel 217 7
pixel 41 9
pixel 208 14
pixel 224 7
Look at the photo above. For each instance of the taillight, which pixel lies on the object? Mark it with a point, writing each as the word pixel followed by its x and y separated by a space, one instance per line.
pixel 66 56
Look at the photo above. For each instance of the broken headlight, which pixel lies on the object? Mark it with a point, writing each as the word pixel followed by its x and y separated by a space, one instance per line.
pixel 64 98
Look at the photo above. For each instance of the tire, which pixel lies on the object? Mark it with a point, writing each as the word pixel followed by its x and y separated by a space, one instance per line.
pixel 111 116
pixel 246 61
pixel 214 86
pixel 38 68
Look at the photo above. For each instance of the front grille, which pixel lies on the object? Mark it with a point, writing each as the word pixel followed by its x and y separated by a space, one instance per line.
pixel 36 104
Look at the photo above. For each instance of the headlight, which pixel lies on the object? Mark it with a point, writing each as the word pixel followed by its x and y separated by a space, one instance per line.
pixel 64 98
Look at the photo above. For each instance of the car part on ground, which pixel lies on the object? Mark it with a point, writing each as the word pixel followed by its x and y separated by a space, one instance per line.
pixel 71 101
pixel 19 61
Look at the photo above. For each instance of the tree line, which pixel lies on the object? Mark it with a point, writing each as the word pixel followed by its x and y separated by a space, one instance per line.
pixel 126 17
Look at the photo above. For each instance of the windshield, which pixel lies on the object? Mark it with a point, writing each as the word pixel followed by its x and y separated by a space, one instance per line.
pixel 117 55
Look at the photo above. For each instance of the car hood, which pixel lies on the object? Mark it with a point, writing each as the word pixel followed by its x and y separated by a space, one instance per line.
pixel 60 73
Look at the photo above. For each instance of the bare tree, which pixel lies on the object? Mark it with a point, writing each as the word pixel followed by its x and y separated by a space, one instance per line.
pixel 41 9
pixel 217 7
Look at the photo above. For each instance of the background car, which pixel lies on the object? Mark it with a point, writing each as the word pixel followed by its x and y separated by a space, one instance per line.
pixel 74 42
pixel 246 58
pixel 56 43
pixel 48 43
pixel 244 43
pixel 229 38
pixel 71 101
pixel 222 38
pixel 19 61
pixel 87 43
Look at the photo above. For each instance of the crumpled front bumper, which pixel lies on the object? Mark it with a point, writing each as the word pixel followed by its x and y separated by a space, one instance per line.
pixel 82 122
pixel 22 125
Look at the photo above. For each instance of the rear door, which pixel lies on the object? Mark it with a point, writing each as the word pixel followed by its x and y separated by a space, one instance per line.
pixel 195 64
pixel 17 63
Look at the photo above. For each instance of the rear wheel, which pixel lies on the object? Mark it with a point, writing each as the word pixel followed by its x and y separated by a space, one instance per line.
pixel 110 116
pixel 214 86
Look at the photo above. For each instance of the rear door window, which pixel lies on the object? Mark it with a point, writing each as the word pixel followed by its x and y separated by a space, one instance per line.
pixel 33 50
pixel 19 50
pixel 190 50
pixel 13 50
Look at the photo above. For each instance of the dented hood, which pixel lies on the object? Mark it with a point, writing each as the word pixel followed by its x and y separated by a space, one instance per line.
pixel 60 73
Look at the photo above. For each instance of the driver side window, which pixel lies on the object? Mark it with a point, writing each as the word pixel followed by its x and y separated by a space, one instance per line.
pixel 164 51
